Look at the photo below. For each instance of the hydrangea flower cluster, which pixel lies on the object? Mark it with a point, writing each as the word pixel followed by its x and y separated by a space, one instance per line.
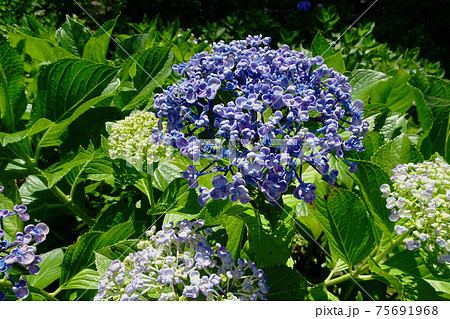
pixel 177 263
pixel 20 251
pixel 138 136
pixel 265 113
pixel 420 201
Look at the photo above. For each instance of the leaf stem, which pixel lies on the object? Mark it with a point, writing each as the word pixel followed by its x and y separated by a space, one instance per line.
pixel 365 267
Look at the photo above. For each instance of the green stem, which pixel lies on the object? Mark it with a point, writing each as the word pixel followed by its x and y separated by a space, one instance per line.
pixel 71 205
pixel 34 169
pixel 147 179
pixel 365 267
pixel 56 292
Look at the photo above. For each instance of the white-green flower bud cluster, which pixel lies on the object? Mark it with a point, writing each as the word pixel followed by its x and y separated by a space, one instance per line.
pixel 177 263
pixel 420 201
pixel 137 137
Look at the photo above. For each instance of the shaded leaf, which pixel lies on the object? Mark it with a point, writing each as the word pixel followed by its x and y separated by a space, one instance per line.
pixel 285 284
pixel 73 36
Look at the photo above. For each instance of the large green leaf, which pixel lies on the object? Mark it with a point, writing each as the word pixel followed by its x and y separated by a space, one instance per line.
pixel 266 246
pixel 85 279
pixel 398 151
pixel 37 127
pixel 436 92
pixel 408 287
pixel 320 46
pixel 285 284
pixel 39 49
pixel 370 177
pixel 50 269
pixel 73 36
pixel 164 174
pixel 13 101
pixel 147 70
pixel 178 197
pixel 106 255
pixel 39 199
pixel 80 255
pixel 336 61
pixel 68 84
pixel 97 46
pixel 58 170
pixel 235 230
pixel 340 214
pixel 362 82
pixel 395 93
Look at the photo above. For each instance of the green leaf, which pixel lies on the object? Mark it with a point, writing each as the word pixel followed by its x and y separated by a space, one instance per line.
pixel 39 126
pixel 152 67
pixel 97 46
pixel 398 151
pixel 40 50
pixel 340 214
pixel 106 255
pixel 370 177
pixel 58 170
pixel 235 230
pixel 80 255
pixel 362 82
pixel 85 279
pixel 285 284
pixel 267 246
pixel 321 294
pixel 66 85
pixel 395 92
pixel 436 93
pixel 180 198
pixel 131 45
pixel 320 46
pixel 73 36
pixel 417 263
pixel 13 101
pixel 39 199
pixel 55 135
pixel 164 174
pixel 408 287
pixel 50 269
pixel 336 61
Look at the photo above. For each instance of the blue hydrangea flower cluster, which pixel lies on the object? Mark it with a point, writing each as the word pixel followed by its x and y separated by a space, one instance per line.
pixel 19 250
pixel 260 115
pixel 420 202
pixel 178 263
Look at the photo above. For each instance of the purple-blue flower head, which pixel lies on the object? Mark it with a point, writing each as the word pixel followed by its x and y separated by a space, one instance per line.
pixel 271 111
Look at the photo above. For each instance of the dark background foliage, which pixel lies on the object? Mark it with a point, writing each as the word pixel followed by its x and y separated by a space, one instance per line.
pixel 400 23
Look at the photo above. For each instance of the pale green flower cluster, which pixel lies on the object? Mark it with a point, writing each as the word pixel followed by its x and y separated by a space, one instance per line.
pixel 137 137
pixel 420 201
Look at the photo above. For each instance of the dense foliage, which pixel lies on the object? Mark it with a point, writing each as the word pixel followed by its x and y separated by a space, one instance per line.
pixel 325 197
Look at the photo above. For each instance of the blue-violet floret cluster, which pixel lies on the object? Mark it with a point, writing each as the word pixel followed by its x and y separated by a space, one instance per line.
pixel 178 263
pixel 420 202
pixel 19 250
pixel 259 116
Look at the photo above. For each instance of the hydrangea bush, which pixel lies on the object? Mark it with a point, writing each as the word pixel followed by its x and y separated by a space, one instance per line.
pixel 420 204
pixel 178 263
pixel 19 250
pixel 259 116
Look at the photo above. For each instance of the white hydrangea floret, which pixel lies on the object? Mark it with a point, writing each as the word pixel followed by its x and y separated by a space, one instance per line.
pixel 419 200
